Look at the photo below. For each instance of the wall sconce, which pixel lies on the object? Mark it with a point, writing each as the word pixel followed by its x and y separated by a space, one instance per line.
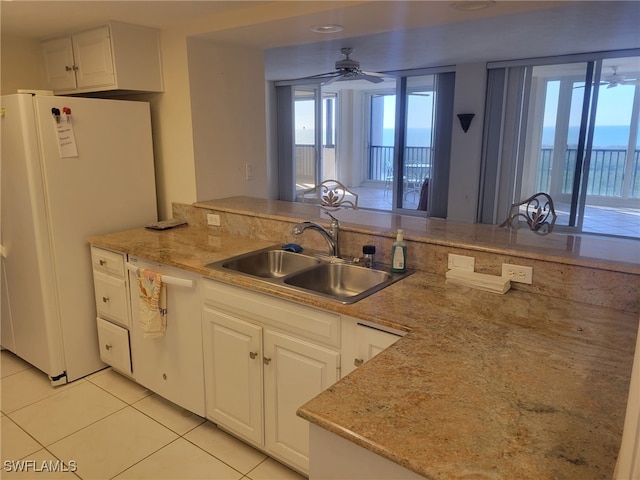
pixel 465 120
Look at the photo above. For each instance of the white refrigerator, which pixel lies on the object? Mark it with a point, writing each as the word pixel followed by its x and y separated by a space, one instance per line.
pixel 70 168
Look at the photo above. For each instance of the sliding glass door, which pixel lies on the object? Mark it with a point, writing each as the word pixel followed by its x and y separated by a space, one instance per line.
pixel 314 120
pixel 403 137
pixel 569 130
pixel 394 154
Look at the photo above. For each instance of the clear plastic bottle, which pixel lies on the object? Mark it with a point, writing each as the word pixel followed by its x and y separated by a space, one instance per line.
pixel 399 254
pixel 368 251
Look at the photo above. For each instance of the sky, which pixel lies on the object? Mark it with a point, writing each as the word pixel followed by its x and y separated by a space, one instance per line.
pixel 614 105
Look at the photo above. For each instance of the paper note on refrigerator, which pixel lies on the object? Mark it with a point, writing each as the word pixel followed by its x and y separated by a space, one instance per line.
pixel 66 137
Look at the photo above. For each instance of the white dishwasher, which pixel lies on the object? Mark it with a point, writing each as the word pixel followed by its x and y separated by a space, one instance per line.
pixel 170 365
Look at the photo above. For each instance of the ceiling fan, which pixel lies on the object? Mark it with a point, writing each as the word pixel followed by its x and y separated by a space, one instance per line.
pixel 614 80
pixel 348 69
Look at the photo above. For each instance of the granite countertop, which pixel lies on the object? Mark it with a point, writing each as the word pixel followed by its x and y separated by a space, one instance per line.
pixel 482 386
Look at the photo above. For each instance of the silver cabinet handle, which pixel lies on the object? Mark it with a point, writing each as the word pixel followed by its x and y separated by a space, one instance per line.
pixel 103 263
pixel 253 355
pixel 358 361
pixel 108 347
pixel 105 299
pixel 266 360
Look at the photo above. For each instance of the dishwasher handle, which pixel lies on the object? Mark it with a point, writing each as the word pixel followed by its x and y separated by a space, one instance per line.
pixel 168 279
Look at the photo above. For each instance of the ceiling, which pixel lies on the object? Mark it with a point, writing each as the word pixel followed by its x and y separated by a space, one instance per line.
pixel 386 35
pixel 262 27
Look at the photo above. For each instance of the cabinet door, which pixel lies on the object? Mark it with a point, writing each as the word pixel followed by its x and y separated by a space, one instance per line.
pixel 59 64
pixel 233 373
pixel 295 371
pixel 92 53
pixel 371 341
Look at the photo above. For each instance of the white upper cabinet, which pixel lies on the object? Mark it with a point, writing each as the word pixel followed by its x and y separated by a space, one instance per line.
pixel 59 64
pixel 117 56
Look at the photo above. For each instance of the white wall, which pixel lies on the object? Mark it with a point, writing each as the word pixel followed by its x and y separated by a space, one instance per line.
pixel 226 84
pixel 172 127
pixel 21 65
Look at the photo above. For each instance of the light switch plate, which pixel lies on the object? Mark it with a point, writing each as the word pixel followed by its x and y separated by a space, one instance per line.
pixel 461 262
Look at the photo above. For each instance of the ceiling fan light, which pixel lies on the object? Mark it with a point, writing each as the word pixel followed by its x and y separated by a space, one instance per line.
pixel 326 29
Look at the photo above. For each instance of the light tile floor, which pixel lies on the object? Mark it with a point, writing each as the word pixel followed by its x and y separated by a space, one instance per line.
pixel 107 427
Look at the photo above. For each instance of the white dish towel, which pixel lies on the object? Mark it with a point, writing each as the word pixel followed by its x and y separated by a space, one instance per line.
pixel 153 311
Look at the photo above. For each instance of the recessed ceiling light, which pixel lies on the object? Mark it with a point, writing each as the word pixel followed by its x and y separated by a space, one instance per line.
pixel 326 28
pixel 473 4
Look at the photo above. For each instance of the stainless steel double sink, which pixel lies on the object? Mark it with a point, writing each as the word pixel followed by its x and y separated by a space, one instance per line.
pixel 330 278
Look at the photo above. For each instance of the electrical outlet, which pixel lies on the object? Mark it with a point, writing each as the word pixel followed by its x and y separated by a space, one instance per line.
pixel 213 219
pixel 461 262
pixel 517 273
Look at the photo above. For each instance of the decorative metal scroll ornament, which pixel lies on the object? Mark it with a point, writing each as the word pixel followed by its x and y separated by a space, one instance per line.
pixel 538 213
pixel 331 194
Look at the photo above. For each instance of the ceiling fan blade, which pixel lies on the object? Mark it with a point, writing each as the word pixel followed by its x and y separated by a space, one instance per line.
pixel 375 74
pixel 321 76
pixel 332 79
pixel 371 78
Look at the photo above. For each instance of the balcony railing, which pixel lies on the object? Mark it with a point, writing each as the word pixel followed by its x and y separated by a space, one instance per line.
pixel 417 161
pixel 380 162
pixel 606 172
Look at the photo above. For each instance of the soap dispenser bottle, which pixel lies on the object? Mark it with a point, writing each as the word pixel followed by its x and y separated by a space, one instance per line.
pixel 399 254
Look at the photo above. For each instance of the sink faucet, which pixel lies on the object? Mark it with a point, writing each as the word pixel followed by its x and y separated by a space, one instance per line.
pixel 331 236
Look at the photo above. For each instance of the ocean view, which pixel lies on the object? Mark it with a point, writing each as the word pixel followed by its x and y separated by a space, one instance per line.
pixel 610 136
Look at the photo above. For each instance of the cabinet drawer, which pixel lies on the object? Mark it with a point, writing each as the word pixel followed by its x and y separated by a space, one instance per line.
pixel 114 346
pixel 107 262
pixel 111 298
pixel 302 321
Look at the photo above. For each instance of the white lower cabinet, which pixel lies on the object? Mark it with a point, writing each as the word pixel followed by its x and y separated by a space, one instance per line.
pixel 114 346
pixel 362 341
pixel 264 358
pixel 295 372
pixel 233 373
pixel 111 291
pixel 111 298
